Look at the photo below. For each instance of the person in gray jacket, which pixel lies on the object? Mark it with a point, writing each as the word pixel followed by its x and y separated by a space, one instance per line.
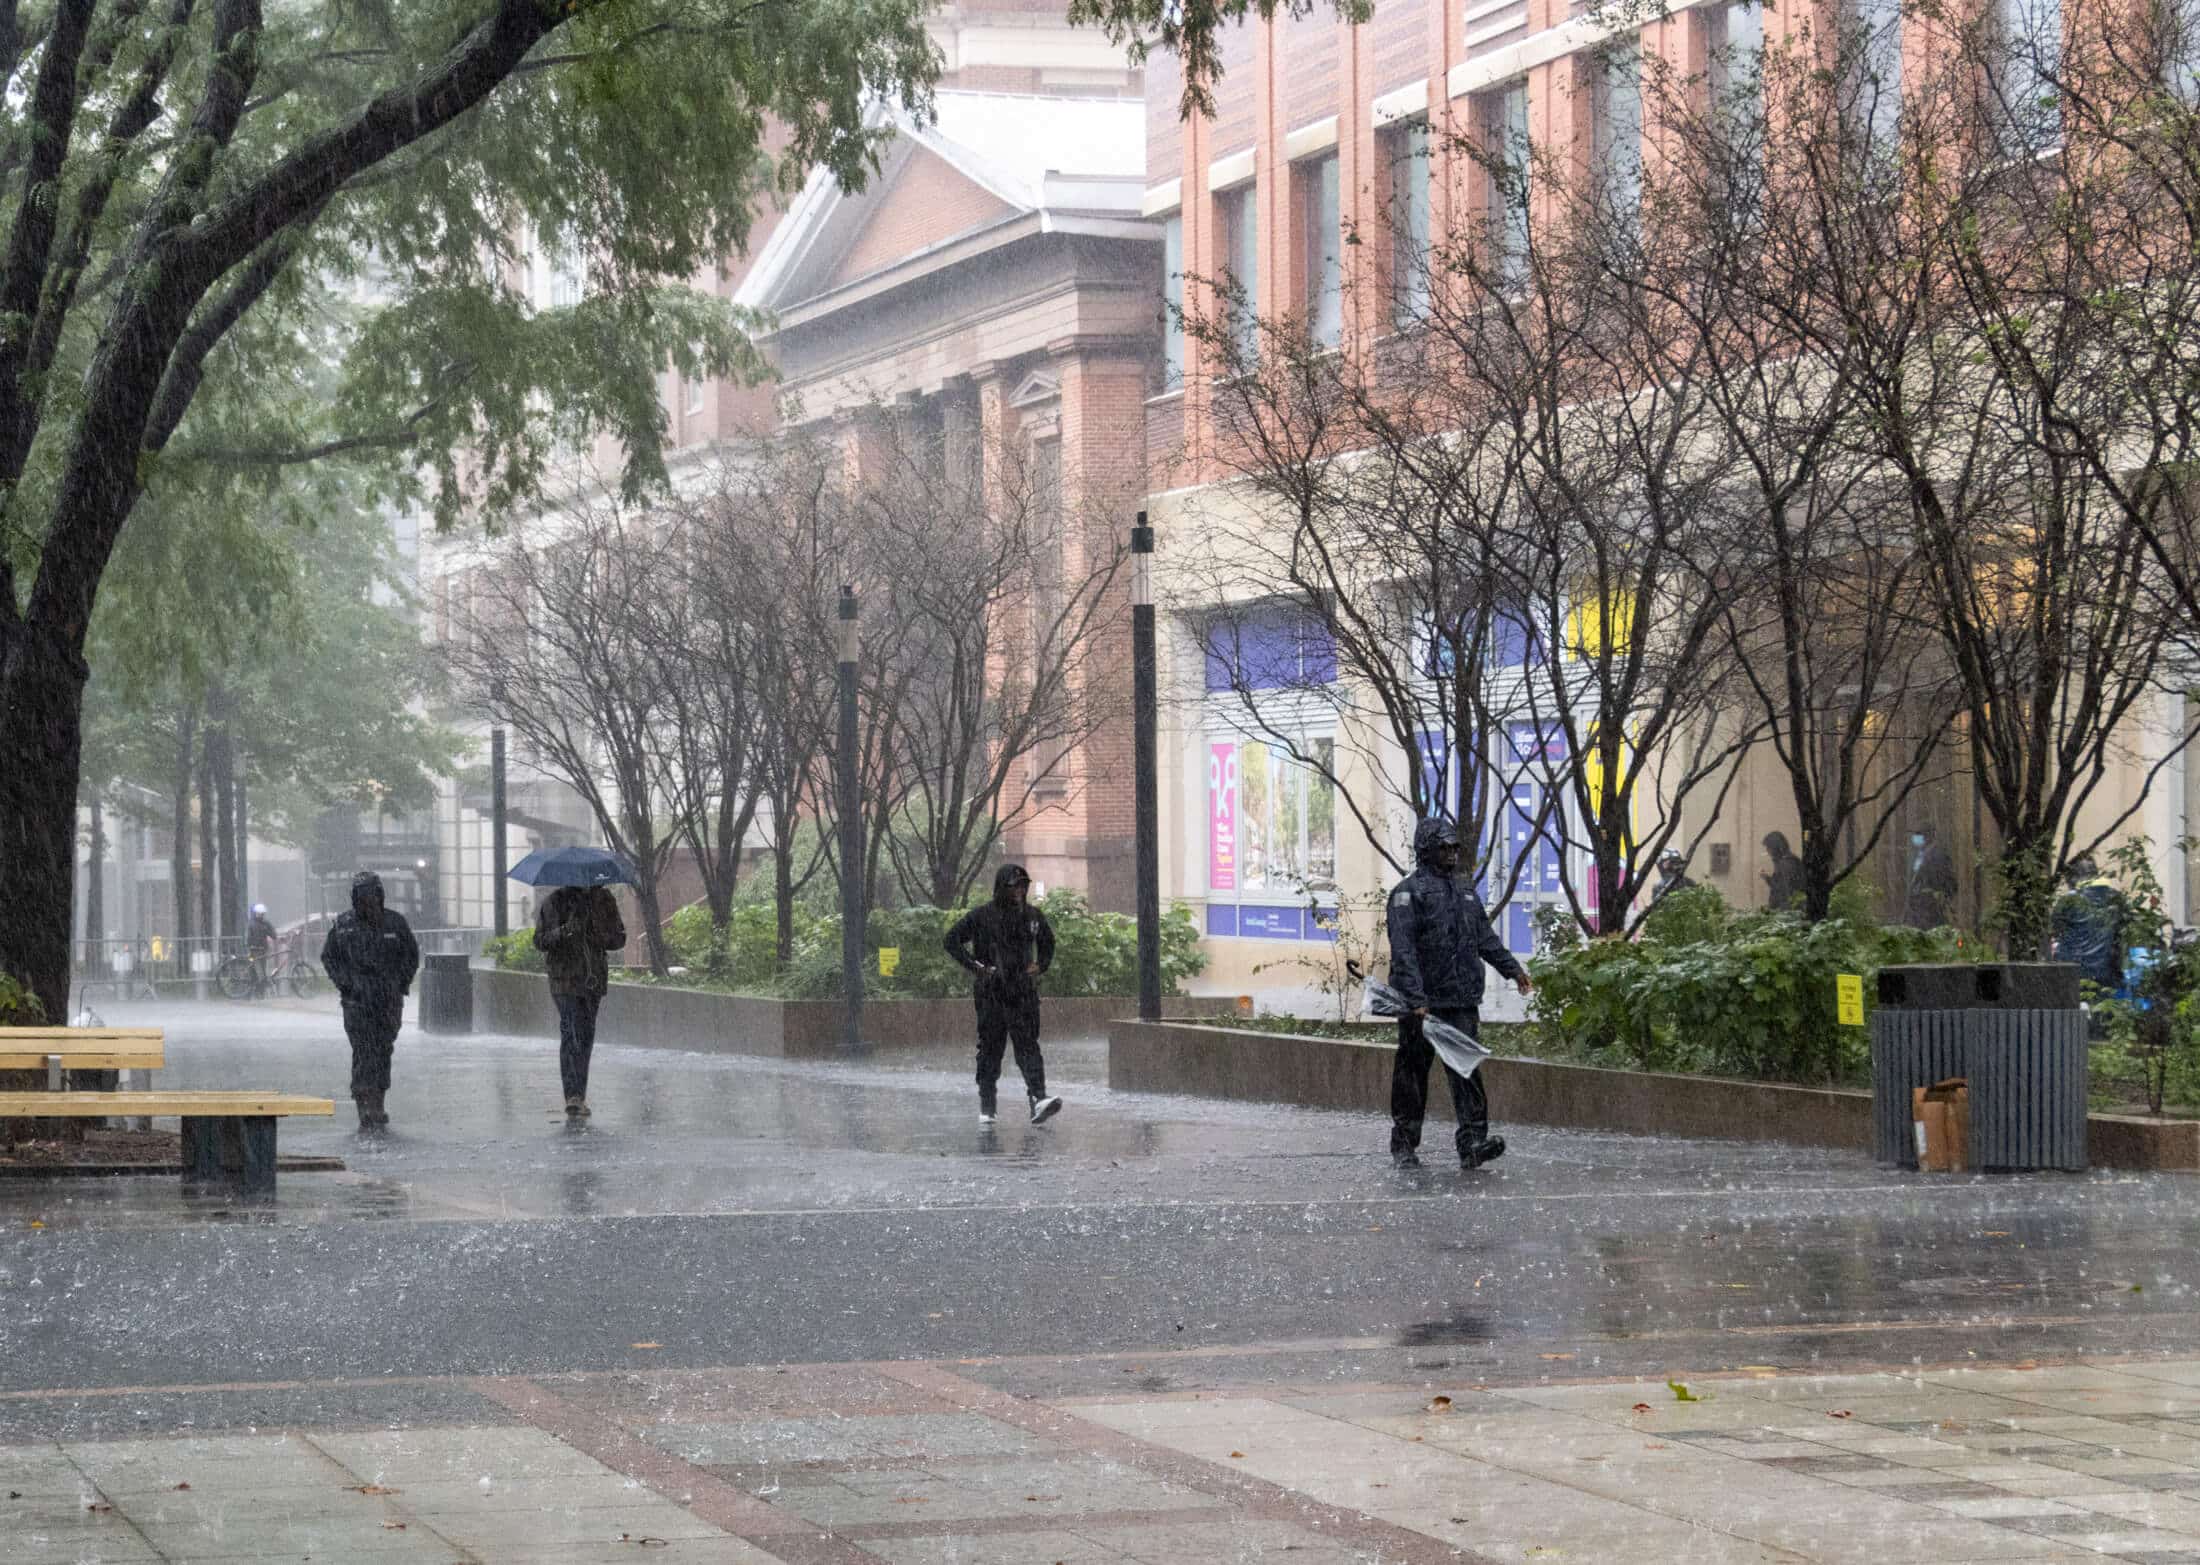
pixel 1439 939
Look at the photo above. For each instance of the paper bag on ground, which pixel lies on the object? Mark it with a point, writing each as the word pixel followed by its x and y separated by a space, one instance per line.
pixel 1941 1120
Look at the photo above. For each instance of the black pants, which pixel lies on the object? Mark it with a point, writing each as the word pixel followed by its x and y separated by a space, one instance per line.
pixel 1409 1086
pixel 371 1023
pixel 1008 1012
pixel 576 1039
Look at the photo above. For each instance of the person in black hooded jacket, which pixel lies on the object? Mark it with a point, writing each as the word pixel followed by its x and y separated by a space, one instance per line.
pixel 1005 945
pixel 371 958
pixel 1439 939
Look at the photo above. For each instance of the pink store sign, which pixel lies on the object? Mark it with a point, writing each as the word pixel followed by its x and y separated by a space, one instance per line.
pixel 1222 817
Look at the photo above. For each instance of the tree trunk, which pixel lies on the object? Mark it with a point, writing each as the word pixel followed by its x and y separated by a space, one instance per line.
pixel 42 693
pixel 244 845
pixel 179 849
pixel 2027 899
pixel 207 929
pixel 783 902
pixel 95 886
pixel 653 924
pixel 225 825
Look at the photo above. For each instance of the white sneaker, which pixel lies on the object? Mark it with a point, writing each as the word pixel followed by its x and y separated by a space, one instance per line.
pixel 1044 1109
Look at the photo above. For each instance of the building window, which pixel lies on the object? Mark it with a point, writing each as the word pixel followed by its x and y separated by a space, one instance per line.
pixel 1270 647
pixel 1240 232
pixel 1735 47
pixel 1271 838
pixel 1322 246
pixel 1172 303
pixel 2030 42
pixel 1876 47
pixel 1501 119
pixel 2177 31
pixel 695 395
pixel 1617 154
pixel 1409 222
pixel 1048 596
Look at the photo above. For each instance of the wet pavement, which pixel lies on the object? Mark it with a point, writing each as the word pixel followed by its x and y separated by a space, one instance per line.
pixel 816 1310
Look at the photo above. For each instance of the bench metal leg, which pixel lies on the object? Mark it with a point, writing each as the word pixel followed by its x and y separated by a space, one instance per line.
pixel 202 1158
pixel 257 1165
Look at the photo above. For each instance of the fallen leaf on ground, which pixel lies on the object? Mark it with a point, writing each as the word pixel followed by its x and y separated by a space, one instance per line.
pixel 2136 1288
pixel 181 1487
pixel 911 1499
pixel 1041 1499
pixel 1844 1413
pixel 1553 1358
pixel 1654 1445
pixel 1642 1407
pixel 1996 1233
pixel 1439 1405
pixel 371 1488
pixel 1681 1393
pixel 393 1526
pixel 35 1223
pixel 642 1345
pixel 1760 1371
pixel 97 1505
pixel 1238 1456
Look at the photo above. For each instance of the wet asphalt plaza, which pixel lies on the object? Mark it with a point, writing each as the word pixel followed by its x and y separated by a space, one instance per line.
pixel 810 1313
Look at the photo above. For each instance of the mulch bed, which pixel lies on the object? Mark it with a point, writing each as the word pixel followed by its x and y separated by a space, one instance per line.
pixel 98 1147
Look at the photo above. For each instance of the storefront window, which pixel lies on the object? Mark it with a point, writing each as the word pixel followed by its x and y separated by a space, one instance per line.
pixel 1272 839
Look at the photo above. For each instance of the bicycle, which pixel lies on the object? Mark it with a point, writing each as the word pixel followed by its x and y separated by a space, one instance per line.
pixel 254 978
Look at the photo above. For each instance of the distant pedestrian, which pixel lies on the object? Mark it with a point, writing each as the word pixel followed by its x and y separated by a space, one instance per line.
pixel 1672 876
pixel 574 930
pixel 1006 945
pixel 371 958
pixel 1784 883
pixel 1439 939
pixel 2088 925
pixel 1930 889
pixel 259 940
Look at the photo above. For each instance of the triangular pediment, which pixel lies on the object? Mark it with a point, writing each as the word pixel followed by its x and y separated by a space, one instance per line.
pixel 1036 389
pixel 922 201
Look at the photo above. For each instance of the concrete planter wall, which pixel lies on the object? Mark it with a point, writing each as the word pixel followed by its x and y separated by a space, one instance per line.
pixel 1340 1073
pixel 657 1016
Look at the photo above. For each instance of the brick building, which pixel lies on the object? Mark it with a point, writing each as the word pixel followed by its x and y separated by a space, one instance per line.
pixel 996 283
pixel 1328 150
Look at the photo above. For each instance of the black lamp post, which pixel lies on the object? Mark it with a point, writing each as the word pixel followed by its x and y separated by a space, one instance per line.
pixel 1145 699
pixel 851 834
pixel 498 864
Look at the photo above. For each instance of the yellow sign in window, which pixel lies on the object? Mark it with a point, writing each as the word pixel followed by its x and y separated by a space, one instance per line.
pixel 1848 998
pixel 889 961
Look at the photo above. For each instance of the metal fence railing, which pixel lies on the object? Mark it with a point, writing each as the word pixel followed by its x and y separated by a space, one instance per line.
pixel 163 966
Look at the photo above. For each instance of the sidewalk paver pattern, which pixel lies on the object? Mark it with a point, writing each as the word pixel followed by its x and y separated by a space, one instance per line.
pixel 759 1314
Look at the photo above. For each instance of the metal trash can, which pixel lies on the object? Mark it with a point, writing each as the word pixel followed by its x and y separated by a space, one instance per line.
pixel 2013 1030
pixel 446 994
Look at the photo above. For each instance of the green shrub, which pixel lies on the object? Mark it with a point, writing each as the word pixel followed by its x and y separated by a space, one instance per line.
pixel 515 952
pixel 1709 989
pixel 18 1006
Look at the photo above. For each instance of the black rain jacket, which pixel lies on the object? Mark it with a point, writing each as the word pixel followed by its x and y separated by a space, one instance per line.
pixel 370 963
pixel 1440 936
pixel 1000 939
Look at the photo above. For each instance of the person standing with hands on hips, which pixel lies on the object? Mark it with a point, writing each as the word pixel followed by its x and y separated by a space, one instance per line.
pixel 1439 939
pixel 1005 945
pixel 573 931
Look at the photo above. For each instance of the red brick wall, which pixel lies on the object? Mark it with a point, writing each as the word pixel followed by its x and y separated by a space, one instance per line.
pixel 929 202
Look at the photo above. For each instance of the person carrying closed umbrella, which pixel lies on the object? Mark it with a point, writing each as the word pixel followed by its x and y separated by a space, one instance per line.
pixel 574 930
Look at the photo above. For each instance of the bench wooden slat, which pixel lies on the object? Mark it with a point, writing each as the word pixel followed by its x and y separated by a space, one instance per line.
pixel 75 1105
pixel 132 1035
pixel 101 1059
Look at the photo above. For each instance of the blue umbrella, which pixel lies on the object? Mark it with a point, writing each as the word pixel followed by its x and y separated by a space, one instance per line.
pixel 573 867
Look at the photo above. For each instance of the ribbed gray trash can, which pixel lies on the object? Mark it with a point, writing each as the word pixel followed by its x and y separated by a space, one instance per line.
pixel 2013 1030
pixel 446 994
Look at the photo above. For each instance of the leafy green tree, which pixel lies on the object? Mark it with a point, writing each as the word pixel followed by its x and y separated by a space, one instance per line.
pixel 184 188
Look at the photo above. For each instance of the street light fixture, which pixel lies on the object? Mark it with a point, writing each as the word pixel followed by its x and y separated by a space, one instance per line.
pixel 1145 700
pixel 851 833
pixel 499 863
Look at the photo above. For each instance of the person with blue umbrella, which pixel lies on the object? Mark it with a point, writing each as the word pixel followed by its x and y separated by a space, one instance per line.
pixel 575 929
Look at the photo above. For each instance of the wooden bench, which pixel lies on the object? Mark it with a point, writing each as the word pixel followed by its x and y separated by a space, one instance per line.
pixel 227 1136
pixel 57 1049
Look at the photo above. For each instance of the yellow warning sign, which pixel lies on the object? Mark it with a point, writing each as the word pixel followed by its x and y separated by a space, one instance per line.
pixel 159 950
pixel 889 960
pixel 1848 995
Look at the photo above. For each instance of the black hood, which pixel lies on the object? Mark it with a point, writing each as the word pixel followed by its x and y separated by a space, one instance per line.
pixel 366 886
pixel 1430 835
pixel 1005 881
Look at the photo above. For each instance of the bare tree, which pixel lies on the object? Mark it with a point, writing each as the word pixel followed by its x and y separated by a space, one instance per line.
pixel 1002 608
pixel 560 652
